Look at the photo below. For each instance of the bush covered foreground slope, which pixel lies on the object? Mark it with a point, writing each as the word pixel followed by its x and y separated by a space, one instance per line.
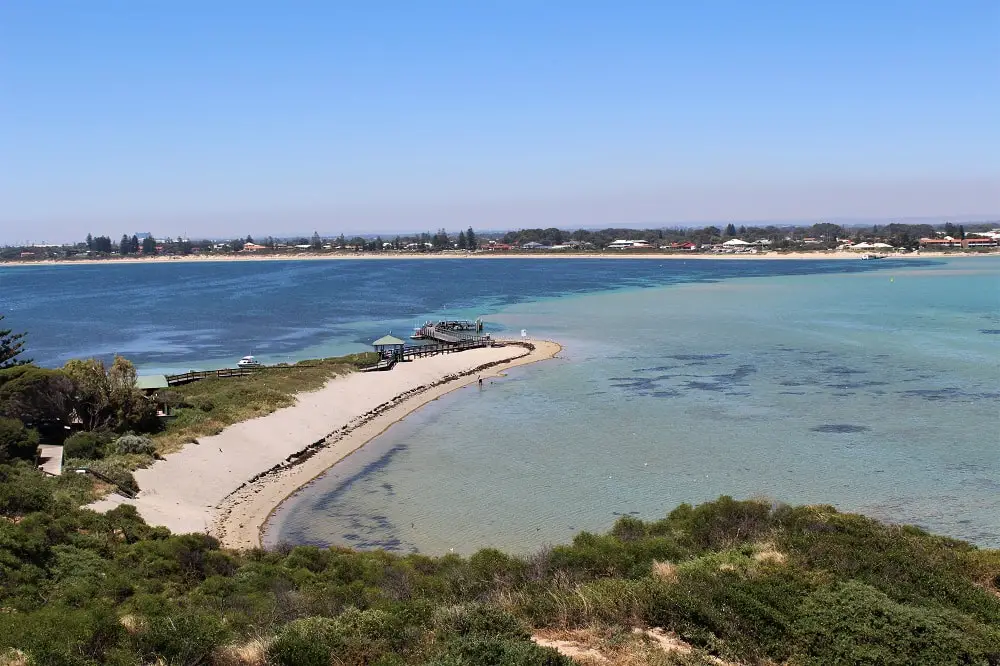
pixel 744 581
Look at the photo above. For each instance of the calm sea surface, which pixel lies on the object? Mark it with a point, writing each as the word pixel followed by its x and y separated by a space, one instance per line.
pixel 873 386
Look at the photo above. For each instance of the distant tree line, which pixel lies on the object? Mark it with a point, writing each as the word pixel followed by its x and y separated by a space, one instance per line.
pixel 815 236
pixel 822 235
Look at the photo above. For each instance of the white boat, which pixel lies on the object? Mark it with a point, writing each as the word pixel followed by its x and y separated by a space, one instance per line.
pixel 871 255
pixel 248 361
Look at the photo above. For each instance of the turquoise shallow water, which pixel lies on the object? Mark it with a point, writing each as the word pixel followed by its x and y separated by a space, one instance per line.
pixel 876 392
pixel 873 386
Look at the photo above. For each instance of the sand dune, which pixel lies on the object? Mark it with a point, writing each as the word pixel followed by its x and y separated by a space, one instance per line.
pixel 228 484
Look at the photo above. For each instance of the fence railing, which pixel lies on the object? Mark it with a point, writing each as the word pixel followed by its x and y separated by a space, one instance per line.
pixel 408 352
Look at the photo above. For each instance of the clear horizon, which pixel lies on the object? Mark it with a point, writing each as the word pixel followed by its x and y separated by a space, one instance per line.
pixel 230 119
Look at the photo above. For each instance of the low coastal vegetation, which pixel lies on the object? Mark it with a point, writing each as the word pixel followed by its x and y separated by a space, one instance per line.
pixel 207 406
pixel 746 582
pixel 110 427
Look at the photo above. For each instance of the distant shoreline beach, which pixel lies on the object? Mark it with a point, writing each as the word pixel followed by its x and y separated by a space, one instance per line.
pixel 768 256
pixel 229 484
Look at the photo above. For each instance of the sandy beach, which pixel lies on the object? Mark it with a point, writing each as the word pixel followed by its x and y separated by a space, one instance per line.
pixel 615 255
pixel 228 484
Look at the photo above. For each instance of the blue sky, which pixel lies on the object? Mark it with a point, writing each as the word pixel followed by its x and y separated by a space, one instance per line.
pixel 219 118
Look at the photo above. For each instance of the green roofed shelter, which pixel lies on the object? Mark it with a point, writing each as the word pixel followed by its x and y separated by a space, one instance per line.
pixel 151 382
pixel 389 347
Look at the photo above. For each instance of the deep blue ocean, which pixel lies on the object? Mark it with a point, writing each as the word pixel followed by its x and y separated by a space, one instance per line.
pixel 209 314
pixel 871 386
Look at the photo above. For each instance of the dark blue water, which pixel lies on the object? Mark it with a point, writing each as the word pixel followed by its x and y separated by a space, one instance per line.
pixel 197 315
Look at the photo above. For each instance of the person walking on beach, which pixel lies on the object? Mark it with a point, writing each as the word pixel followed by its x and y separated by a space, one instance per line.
pixel 480 381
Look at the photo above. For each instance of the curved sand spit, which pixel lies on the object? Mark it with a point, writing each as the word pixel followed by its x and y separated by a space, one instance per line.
pixel 228 484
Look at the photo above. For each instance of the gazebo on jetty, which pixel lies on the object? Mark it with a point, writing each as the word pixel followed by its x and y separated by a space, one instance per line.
pixel 389 348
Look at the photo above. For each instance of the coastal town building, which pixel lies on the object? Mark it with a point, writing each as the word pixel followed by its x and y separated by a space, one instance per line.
pixel 965 243
pixel 629 245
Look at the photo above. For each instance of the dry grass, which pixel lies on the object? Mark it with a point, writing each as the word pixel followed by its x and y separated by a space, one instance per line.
pixel 213 404
pixel 665 571
pixel 577 644
pixel 13 657
pixel 618 646
pixel 251 653
pixel 768 554
pixel 133 623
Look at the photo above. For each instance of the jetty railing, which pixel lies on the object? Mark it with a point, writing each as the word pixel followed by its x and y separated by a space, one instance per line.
pixel 418 351
pixel 195 375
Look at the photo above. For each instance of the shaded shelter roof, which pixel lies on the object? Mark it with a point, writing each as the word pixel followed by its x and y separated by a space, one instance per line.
pixel 151 382
pixel 388 341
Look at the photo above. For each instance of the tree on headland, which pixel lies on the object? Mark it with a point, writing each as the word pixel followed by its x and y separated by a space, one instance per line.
pixel 107 398
pixel 125 245
pixel 149 245
pixel 316 242
pixel 11 346
pixel 90 242
pixel 35 395
pixel 730 229
pixel 470 239
pixel 462 242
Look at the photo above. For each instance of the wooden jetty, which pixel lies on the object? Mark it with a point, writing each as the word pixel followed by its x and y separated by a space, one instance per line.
pixel 420 351
pixel 450 331
pixel 451 336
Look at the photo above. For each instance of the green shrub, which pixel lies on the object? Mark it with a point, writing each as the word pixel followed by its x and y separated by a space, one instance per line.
pixel 57 635
pixel 304 642
pixel 853 623
pixel 84 446
pixel 203 403
pixel 723 523
pixel 16 441
pixel 118 470
pixel 496 651
pixel 628 528
pixel 181 636
pixel 133 444
pixel 722 602
pixel 23 490
pixel 478 619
